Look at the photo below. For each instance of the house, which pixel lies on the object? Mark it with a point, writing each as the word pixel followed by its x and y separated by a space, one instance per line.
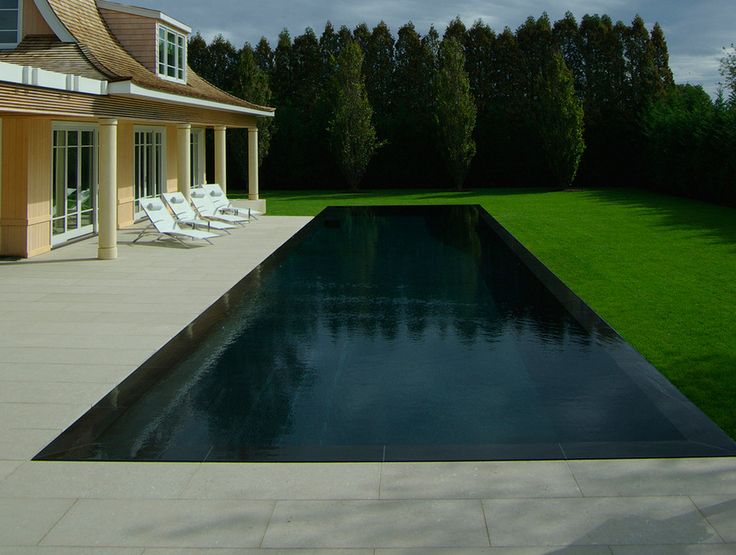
pixel 98 109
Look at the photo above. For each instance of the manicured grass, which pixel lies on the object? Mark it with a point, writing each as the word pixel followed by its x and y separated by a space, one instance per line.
pixel 661 270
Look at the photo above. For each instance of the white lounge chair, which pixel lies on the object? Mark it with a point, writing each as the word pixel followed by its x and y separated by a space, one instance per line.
pixel 163 224
pixel 223 204
pixel 185 214
pixel 203 203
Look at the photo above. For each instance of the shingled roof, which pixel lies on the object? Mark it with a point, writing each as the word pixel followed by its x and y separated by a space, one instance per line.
pixel 106 55
pixel 49 53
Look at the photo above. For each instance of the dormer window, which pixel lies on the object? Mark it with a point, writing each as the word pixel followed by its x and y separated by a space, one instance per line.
pixel 172 54
pixel 9 23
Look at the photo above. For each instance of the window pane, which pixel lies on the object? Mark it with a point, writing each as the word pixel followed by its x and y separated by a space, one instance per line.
pixel 58 203
pixel 8 20
pixel 85 195
pixel 72 138
pixel 87 218
pixel 71 178
pixel 161 51
pixel 88 138
pixel 171 71
pixel 9 4
pixel 8 37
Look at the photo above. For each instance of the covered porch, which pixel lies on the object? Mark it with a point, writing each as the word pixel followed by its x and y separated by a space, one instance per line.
pixel 75 161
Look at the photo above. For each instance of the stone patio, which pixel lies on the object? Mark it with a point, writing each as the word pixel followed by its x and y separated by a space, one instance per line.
pixel 73 327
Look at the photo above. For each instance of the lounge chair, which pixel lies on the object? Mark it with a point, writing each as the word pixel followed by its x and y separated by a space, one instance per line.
pixel 163 224
pixel 185 214
pixel 223 204
pixel 203 203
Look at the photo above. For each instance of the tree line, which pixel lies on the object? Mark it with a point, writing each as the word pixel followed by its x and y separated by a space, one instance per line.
pixel 552 104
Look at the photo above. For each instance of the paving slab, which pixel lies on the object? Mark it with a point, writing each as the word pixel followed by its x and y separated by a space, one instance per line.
pixel 38 415
pixel 284 481
pixel 702 476
pixel 162 551
pixel 477 480
pixel 40 550
pixel 98 480
pixel 353 524
pixel 54 393
pixel 722 549
pixel 46 373
pixel 597 521
pixel 7 468
pixel 720 510
pixel 21 445
pixel 26 521
pixel 567 550
pixel 162 523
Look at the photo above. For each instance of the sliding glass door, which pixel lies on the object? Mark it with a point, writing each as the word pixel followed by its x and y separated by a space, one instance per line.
pixel 73 182
pixel 149 165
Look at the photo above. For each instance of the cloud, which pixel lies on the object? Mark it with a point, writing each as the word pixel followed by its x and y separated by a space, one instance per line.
pixel 696 31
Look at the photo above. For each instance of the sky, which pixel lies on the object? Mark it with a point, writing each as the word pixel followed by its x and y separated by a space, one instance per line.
pixel 696 30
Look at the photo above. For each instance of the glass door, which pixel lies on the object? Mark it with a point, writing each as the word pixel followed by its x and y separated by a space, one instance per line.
pixel 149 165
pixel 73 183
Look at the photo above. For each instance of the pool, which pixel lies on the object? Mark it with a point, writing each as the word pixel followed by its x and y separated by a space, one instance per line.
pixel 395 334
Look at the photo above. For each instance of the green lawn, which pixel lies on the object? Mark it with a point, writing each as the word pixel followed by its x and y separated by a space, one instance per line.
pixel 661 270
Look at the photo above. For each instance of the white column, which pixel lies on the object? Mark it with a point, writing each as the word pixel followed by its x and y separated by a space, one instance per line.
pixel 252 163
pixel 221 157
pixel 184 173
pixel 108 191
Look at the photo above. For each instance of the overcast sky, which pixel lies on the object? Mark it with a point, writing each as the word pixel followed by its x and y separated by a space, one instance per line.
pixel 696 30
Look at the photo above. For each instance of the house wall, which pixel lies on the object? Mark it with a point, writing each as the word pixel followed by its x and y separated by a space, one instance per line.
pixel 172 165
pixel 33 21
pixel 126 163
pixel 26 178
pixel 135 33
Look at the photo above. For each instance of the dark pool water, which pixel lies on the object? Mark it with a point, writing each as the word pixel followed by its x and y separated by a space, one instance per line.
pixel 413 333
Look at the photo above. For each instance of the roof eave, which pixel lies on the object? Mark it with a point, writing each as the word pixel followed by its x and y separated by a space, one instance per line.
pixel 130 89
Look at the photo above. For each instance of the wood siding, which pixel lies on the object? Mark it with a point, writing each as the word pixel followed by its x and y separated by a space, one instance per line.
pixel 126 169
pixel 33 21
pixel 26 176
pixel 171 152
pixel 136 34
pixel 18 99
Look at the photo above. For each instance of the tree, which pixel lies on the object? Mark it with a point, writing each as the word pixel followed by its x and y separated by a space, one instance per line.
pixel 352 135
pixel 559 117
pixel 728 71
pixel 251 84
pixel 455 112
pixel 264 56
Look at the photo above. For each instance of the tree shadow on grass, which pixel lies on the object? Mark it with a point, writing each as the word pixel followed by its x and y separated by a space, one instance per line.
pixel 677 213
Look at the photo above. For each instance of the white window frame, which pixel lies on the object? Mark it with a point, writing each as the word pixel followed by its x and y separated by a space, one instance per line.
pixel 185 47
pixel 199 160
pixel 19 36
pixel 163 164
pixel 61 238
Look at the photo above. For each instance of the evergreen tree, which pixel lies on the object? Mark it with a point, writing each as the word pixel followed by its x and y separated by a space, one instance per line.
pixel 362 35
pixel 559 118
pixel 455 112
pixel 251 84
pixel 352 135
pixel 221 63
pixel 661 56
pixel 264 56
pixel 728 71
pixel 414 153
pixel 197 54
pixel 570 44
pixel 456 30
pixel 282 81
